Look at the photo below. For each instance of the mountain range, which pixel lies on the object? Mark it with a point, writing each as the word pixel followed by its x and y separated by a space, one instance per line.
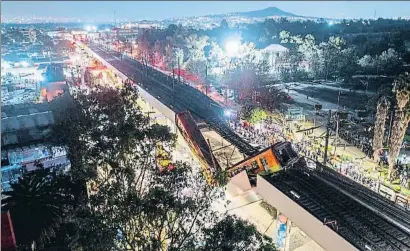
pixel 264 13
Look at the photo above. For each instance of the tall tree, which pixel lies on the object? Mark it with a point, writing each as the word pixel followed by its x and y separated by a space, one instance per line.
pixel 380 126
pixel 133 204
pixel 233 234
pixel 39 204
pixel 401 119
pixel 196 54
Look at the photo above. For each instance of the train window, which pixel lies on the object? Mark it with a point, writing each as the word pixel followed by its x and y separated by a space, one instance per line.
pixel 284 156
pixel 264 163
pixel 254 165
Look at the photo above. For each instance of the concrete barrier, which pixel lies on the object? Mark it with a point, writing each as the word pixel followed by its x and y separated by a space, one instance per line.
pixel 322 234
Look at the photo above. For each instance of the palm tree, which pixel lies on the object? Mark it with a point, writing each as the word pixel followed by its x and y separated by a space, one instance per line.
pixel 37 203
pixel 380 126
pixel 401 119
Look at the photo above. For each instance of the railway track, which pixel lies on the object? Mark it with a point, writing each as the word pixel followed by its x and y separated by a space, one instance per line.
pixel 176 96
pixel 354 216
pixel 364 218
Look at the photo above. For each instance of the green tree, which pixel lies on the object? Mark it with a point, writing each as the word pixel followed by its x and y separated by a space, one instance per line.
pixel 401 119
pixel 196 54
pixel 39 204
pixel 217 58
pixel 331 55
pixel 131 203
pixel 232 234
pixel 389 62
pixel 256 115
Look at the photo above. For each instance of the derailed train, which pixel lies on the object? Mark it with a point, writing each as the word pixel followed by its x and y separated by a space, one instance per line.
pixel 269 160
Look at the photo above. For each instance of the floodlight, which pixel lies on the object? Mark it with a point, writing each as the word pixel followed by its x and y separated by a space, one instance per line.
pixel 228 113
pixel 232 47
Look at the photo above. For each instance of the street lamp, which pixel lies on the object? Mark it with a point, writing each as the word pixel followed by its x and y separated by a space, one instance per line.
pixel 227 113
pixel 232 48
pixel 132 46
pixel 338 97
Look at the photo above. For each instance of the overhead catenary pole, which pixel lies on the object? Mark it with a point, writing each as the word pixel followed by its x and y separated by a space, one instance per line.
pixel 337 132
pixel 206 80
pixel 115 21
pixel 327 138
pixel 179 71
pixel 173 86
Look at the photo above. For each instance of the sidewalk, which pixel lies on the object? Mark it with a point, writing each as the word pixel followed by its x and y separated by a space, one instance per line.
pixel 247 206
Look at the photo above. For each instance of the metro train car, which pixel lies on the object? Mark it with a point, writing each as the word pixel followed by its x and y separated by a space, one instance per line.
pixel 270 160
pixel 197 143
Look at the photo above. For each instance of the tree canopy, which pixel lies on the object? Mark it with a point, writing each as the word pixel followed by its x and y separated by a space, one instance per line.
pixel 125 201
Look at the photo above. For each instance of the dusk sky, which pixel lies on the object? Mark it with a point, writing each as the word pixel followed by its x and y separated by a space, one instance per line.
pixel 138 10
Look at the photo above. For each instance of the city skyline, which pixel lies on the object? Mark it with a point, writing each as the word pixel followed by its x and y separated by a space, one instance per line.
pixel 133 11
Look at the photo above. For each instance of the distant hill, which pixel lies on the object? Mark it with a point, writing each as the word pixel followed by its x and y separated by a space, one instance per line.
pixel 271 11
pixel 268 12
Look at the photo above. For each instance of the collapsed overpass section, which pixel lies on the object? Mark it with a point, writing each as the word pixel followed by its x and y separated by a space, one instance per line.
pixel 336 212
pixel 176 96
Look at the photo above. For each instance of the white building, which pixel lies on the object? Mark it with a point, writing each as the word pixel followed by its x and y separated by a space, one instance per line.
pixel 272 52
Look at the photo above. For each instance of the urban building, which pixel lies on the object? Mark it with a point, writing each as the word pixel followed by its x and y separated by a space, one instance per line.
pixel 25 130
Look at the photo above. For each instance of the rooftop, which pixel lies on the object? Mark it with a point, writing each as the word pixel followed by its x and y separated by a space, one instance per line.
pixel 23 109
pixel 54 73
pixel 275 48
pixel 25 123
pixel 25 129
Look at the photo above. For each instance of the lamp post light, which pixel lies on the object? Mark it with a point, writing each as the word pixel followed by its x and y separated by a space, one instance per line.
pixel 132 46
pixel 232 48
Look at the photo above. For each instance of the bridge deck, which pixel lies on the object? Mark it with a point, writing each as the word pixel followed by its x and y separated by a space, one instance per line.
pixel 354 213
pixel 178 97
pixel 360 216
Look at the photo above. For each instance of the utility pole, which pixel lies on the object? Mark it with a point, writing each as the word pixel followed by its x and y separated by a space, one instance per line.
pixel 327 137
pixel 115 21
pixel 173 86
pixel 179 71
pixel 149 116
pixel 337 131
pixel 338 100
pixel 206 79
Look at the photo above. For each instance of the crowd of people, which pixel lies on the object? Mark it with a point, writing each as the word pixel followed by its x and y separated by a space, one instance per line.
pixel 268 133
pixel 262 136
pixel 350 169
pixel 358 138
